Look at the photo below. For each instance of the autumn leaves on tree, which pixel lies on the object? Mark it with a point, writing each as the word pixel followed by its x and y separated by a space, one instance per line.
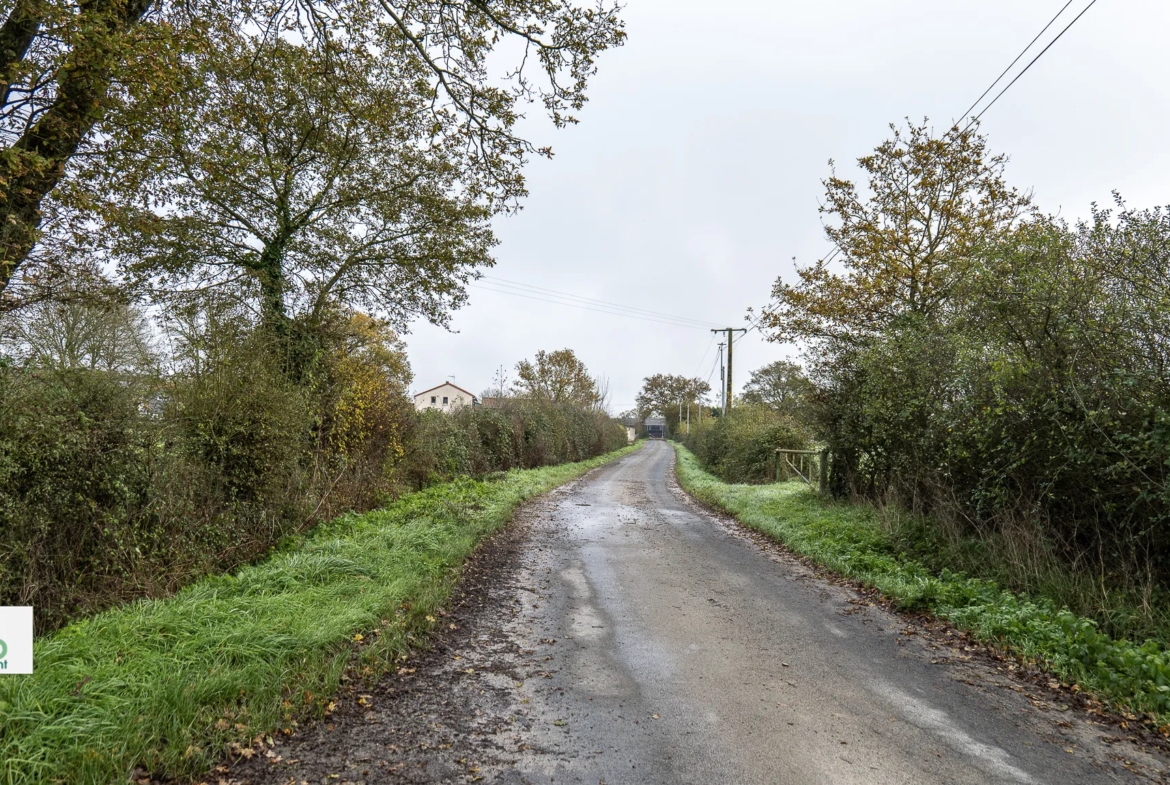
pixel 293 153
pixel 216 220
pixel 992 366
pixel 933 204
pixel 668 395
pixel 559 377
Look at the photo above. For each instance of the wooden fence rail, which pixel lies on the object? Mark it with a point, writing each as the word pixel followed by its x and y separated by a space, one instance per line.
pixel 805 464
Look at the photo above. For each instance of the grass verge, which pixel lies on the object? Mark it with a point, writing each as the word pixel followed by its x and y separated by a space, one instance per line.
pixel 850 540
pixel 167 685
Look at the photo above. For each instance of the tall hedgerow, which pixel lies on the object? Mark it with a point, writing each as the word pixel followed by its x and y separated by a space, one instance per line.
pixel 123 482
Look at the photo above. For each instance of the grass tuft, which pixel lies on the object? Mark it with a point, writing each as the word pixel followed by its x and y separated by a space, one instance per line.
pixel 166 685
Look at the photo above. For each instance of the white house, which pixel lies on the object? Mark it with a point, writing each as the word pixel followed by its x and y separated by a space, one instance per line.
pixel 446 398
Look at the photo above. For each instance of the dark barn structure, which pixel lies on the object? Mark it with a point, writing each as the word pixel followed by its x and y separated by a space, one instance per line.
pixel 656 427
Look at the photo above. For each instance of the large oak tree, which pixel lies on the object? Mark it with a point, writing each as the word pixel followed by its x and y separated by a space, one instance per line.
pixel 302 176
pixel 80 74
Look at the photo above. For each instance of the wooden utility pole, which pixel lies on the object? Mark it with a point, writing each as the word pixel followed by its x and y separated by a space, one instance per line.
pixel 727 389
pixel 722 384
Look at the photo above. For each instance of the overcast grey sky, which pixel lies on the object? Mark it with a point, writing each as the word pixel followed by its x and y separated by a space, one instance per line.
pixel 694 176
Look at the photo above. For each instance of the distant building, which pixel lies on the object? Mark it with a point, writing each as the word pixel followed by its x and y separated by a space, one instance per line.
pixel 493 402
pixel 446 398
pixel 656 427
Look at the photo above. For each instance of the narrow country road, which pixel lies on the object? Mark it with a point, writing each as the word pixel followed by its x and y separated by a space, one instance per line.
pixel 619 634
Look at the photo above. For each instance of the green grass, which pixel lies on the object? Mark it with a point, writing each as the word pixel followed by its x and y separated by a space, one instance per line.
pixel 167 684
pixel 850 540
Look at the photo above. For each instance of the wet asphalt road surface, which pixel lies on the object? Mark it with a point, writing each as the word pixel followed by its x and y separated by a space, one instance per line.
pixel 618 633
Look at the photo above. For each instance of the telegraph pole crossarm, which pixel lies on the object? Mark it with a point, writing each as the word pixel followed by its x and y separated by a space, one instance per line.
pixel 730 342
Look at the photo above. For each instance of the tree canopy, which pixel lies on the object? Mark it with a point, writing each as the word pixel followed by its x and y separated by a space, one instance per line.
pixel 559 377
pixel 81 77
pixel 301 177
pixel 664 394
pixel 933 203
pixel 782 387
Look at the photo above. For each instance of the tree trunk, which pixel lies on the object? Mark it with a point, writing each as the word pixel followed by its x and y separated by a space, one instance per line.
pixel 33 166
pixel 270 275
pixel 16 35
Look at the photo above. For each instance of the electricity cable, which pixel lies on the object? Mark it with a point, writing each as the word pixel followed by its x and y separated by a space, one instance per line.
pixel 1012 63
pixel 714 365
pixel 585 307
pixel 704 357
pixel 836 248
pixel 1034 59
pixel 591 300
pixel 531 292
pixel 588 308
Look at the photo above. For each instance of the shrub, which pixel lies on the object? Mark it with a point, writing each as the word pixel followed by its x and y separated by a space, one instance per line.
pixel 741 447
pixel 1034 413
pixel 518 434
pixel 75 460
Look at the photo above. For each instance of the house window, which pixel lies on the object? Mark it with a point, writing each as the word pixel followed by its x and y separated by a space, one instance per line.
pixel 434 398
pixel 444 399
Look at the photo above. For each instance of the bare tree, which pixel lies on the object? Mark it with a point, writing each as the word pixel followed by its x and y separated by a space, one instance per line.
pixel 65 335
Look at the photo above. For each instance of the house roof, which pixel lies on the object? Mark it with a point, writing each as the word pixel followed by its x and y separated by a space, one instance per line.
pixel 445 384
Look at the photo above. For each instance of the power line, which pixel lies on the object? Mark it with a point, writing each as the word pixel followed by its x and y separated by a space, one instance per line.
pixel 541 290
pixel 1034 59
pixel 837 248
pixel 714 365
pixel 704 357
pixel 1012 63
pixel 587 308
